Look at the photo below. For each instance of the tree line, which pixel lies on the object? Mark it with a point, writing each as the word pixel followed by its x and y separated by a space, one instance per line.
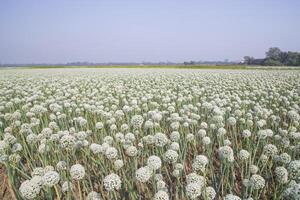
pixel 275 57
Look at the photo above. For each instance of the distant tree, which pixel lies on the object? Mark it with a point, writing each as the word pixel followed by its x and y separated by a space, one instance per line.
pixel 272 62
pixel 275 57
pixel 292 58
pixel 283 57
pixel 274 53
pixel 248 60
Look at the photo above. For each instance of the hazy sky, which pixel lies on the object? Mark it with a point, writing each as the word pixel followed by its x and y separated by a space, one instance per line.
pixel 53 31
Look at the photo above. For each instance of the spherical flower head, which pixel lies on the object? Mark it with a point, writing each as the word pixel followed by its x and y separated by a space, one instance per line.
pixel 148 124
pixel 171 156
pixel 175 146
pixel 270 150
pixel 161 195
pixel 161 139
pixel 294 169
pixel 281 175
pixel 38 171
pixel 285 158
pixel 111 153
pixel 292 192
pixel 175 136
pixel 246 133
pixel 199 163
pixel 231 197
pixel 157 117
pixel 221 132
pixel 95 148
pixel 37 180
pixel 193 190
pixel 68 142
pixel 130 137
pixel 253 169
pixel 112 182
pixel 61 165
pixel 195 178
pixel 93 196
pixel 77 172
pixel 209 193
pixel 51 178
pixel 137 121
pixel 118 164
pixel 226 154
pixel 264 158
pixel 149 139
pixel 65 186
pixel 99 125
pixel 293 115
pixel 231 121
pixel 31 138
pixel 190 137
pixel 131 151
pixel 257 182
pixel 47 132
pixel 108 139
pixel 29 189
pixel 15 148
pixel 206 140
pixel 154 162
pixel 175 125
pixel 143 174
pixel 244 155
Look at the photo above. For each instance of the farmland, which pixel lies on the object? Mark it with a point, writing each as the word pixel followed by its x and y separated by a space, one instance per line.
pixel 150 133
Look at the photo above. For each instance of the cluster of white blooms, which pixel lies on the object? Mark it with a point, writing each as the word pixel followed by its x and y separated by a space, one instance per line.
pixel 131 151
pixel 51 178
pixel 204 130
pixel 111 153
pixel 161 195
pixel 77 172
pixel 199 163
pixel 118 164
pixel 160 139
pixel 137 121
pixel 294 169
pixel 95 148
pixel 93 196
pixel 226 154
pixel 112 182
pixel 143 174
pixel 244 154
pixel 154 162
pixel 209 193
pixel 292 192
pixel 257 182
pixel 29 189
pixel 281 175
pixel 232 197
pixel 171 156
pixel 195 184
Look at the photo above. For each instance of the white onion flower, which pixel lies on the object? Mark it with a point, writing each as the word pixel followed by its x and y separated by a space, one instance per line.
pixel 77 172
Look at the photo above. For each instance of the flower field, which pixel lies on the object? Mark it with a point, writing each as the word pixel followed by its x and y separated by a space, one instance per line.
pixel 151 134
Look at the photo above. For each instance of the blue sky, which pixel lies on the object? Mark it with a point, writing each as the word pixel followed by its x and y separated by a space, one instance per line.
pixel 54 31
